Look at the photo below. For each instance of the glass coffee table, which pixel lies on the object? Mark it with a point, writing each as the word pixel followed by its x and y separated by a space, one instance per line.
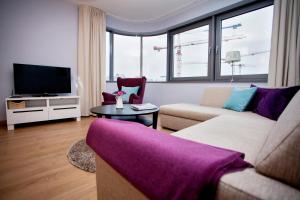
pixel 127 113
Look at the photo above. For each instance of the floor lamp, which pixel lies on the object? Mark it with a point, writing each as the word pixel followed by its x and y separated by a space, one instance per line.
pixel 231 58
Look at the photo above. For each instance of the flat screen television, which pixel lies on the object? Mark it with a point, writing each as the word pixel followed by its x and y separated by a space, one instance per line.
pixel 41 80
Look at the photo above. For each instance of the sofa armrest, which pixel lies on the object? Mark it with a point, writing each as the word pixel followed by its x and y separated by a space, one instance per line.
pixel 122 188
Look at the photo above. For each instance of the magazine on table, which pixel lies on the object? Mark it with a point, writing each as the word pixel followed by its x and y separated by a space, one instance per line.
pixel 145 106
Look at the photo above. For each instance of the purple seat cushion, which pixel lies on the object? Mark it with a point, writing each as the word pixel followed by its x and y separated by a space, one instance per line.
pixel 274 101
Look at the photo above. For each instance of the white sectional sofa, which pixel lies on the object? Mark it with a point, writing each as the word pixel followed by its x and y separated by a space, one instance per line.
pixel 272 147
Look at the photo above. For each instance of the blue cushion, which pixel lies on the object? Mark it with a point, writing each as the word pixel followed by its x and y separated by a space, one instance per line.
pixel 239 99
pixel 129 91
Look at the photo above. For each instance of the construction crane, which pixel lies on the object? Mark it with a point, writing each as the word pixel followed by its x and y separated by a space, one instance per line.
pixel 179 54
pixel 234 26
pixel 197 42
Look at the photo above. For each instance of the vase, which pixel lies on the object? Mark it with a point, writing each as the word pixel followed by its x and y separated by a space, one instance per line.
pixel 119 102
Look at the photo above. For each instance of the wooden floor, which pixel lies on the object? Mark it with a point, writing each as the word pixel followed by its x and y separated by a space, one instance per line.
pixel 33 162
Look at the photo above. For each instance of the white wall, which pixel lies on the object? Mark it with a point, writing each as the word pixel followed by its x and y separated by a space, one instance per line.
pixel 166 93
pixel 42 32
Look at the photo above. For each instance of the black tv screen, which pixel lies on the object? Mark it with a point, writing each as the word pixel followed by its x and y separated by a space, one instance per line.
pixel 37 79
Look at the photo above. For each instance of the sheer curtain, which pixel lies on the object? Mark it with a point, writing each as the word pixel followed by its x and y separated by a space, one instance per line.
pixel 91 57
pixel 284 69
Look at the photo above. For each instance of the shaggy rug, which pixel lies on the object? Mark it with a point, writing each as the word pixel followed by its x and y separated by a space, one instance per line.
pixel 82 156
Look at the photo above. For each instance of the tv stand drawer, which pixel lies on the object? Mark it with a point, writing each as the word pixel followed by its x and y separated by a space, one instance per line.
pixel 64 112
pixel 28 115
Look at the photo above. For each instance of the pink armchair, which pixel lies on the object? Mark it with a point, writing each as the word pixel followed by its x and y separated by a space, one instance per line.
pixel 127 82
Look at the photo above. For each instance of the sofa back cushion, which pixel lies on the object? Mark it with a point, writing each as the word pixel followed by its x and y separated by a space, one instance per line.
pixel 279 158
pixel 275 101
pixel 215 96
pixel 259 95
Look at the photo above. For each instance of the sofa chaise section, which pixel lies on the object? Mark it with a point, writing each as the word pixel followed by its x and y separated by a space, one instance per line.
pixel 182 115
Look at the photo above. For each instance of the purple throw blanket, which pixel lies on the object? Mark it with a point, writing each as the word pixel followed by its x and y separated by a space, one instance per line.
pixel 160 165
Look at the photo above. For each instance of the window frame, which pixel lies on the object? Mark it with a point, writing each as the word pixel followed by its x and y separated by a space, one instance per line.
pixel 212 19
pixel 218 45
pixel 111 57
pixel 171 34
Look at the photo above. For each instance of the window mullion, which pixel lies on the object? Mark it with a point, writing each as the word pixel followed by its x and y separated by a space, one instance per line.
pixel 141 56
pixel 213 36
pixel 111 57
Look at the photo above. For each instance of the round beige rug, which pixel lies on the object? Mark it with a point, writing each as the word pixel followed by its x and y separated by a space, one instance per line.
pixel 82 156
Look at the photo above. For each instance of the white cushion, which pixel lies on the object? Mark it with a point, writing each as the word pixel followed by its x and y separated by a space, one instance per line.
pixel 244 134
pixel 215 96
pixel 192 111
pixel 280 156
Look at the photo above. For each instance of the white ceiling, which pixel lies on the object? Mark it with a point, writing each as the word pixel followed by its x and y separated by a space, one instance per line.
pixel 153 16
pixel 141 10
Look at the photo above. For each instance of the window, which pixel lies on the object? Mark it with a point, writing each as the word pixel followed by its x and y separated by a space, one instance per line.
pixel 126 56
pixel 250 34
pixel 136 56
pixel 190 49
pixel 154 62
pixel 197 51
pixel 107 56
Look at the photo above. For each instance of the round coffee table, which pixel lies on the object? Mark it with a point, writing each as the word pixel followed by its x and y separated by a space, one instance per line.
pixel 127 113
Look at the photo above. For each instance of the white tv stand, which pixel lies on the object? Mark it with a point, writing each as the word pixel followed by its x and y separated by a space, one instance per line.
pixel 36 109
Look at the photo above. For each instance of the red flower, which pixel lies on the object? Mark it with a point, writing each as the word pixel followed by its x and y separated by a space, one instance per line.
pixel 119 93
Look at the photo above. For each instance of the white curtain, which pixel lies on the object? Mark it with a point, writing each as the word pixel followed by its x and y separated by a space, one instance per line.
pixel 284 68
pixel 91 57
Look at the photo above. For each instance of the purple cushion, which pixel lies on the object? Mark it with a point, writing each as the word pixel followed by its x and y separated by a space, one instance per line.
pixel 258 96
pixel 274 101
